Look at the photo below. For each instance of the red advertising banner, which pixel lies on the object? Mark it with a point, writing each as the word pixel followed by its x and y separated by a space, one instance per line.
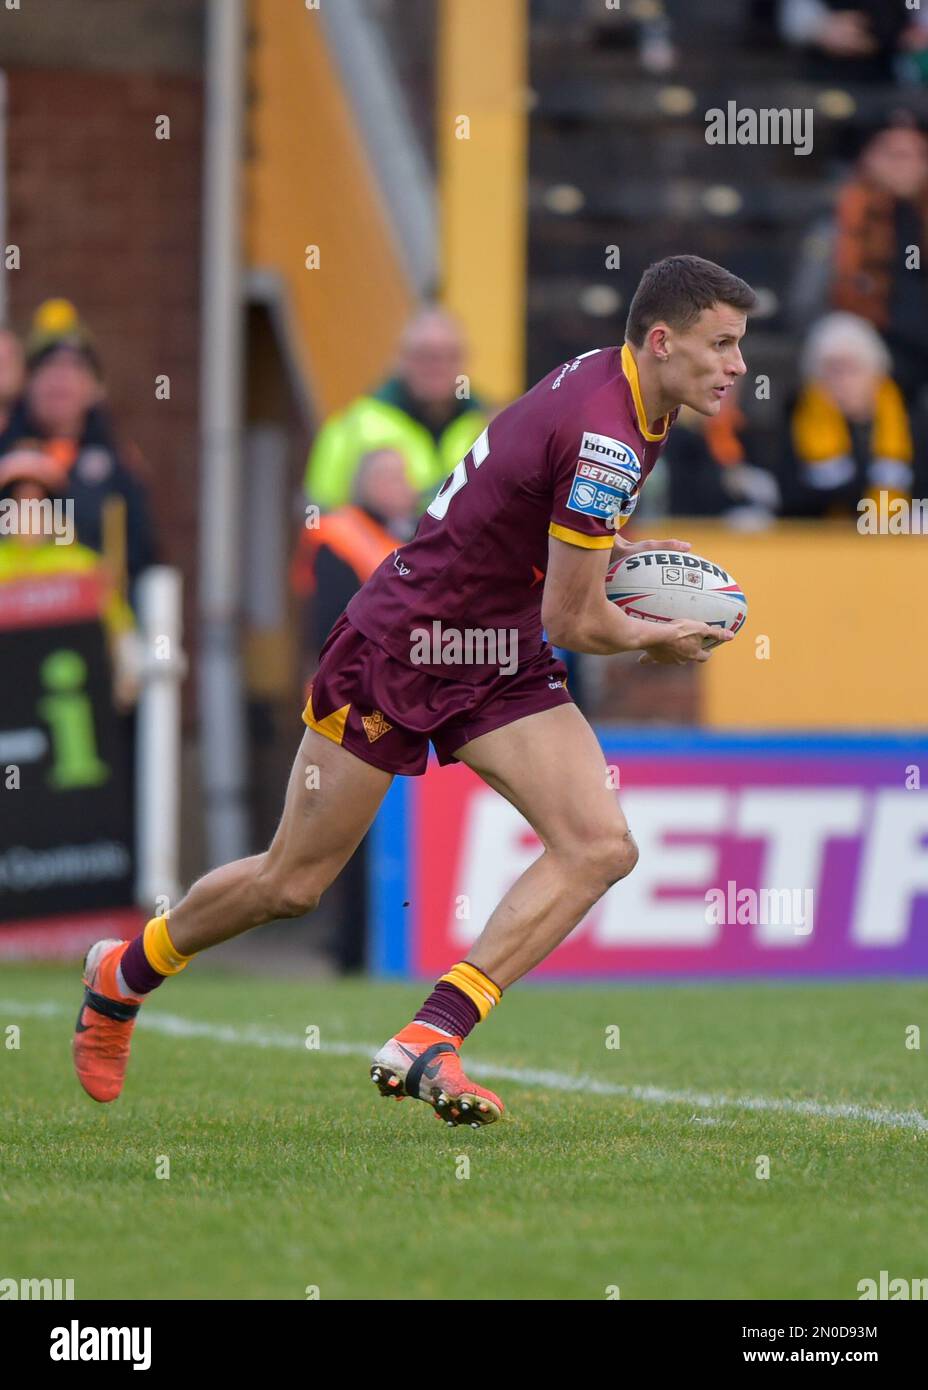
pixel 778 856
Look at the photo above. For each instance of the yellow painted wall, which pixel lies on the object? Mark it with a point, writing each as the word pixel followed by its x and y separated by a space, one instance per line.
pixel 844 614
pixel 309 183
pixel 482 77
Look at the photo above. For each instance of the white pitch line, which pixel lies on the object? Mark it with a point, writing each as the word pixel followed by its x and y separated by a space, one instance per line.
pixel 175 1026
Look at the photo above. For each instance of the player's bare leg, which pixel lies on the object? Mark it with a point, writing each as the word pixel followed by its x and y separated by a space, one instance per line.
pixel 550 767
pixel 332 797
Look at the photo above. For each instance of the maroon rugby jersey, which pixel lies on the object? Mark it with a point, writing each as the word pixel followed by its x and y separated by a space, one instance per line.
pixel 567 459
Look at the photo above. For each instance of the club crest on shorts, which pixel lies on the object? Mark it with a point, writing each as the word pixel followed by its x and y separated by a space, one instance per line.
pixel 375 726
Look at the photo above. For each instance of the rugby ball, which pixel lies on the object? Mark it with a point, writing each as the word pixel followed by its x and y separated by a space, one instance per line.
pixel 664 586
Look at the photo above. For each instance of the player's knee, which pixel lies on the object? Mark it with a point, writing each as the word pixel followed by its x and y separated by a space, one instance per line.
pixel 290 893
pixel 628 855
pixel 614 856
pixel 297 899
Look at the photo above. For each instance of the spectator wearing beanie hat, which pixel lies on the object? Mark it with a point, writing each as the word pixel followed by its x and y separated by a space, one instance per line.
pixel 62 408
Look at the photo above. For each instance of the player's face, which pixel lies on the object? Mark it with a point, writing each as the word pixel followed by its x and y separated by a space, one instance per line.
pixel 704 361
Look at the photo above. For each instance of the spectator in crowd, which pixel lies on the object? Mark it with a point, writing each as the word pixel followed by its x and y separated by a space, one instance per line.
pixel 709 468
pixel 419 411
pixel 63 408
pixel 852 40
pixel 331 563
pixel 881 233
pixel 334 558
pixel 866 259
pixel 12 374
pixel 849 433
pixel 30 549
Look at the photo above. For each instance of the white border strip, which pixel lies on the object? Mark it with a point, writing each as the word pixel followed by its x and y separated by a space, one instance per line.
pixel 175 1026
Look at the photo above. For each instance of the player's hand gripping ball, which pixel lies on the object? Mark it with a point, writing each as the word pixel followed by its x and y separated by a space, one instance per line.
pixel 663 586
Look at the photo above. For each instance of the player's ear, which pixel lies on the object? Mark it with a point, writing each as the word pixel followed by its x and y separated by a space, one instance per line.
pixel 658 341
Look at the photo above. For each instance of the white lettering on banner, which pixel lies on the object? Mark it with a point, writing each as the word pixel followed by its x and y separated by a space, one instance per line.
pixel 894 869
pixel 635 915
pixel 795 825
pixel 497 847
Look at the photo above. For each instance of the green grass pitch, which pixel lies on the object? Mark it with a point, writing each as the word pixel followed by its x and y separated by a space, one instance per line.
pixel 288 1172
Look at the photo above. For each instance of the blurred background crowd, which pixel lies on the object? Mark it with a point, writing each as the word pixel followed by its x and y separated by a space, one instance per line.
pixel 367 373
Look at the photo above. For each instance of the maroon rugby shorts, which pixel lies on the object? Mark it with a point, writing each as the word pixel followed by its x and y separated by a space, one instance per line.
pixel 387 713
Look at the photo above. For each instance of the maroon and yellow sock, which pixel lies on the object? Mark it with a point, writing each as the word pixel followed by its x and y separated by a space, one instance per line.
pixel 460 1000
pixel 151 958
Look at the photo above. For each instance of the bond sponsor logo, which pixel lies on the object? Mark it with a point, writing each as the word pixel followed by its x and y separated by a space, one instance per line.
pixel 375 726
pixel 469 646
pixel 76 1343
pixel 601 448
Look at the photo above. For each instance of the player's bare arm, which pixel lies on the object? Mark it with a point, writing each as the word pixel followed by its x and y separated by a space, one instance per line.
pixel 577 614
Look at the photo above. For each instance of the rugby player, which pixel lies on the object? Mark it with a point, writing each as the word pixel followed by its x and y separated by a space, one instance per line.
pixel 517 541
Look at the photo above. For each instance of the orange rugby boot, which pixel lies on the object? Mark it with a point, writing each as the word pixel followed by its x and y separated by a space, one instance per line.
pixel 419 1062
pixel 104 1024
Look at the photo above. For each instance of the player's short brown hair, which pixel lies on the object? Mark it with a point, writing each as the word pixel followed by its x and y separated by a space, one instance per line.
pixel 677 290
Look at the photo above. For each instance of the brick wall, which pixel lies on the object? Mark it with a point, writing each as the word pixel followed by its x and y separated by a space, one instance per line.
pixel 109 217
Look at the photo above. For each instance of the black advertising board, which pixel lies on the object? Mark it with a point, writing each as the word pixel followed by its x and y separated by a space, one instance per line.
pixel 66 832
